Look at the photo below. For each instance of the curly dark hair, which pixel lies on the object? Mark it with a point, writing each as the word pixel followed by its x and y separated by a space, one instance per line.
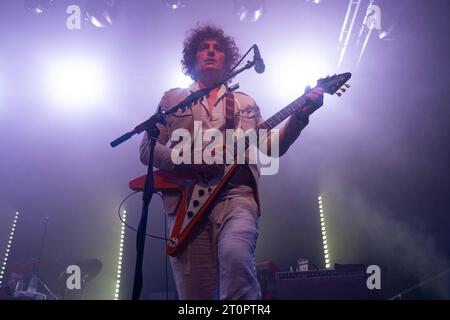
pixel 196 36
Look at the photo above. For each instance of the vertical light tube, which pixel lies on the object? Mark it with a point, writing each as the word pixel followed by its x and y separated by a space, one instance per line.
pixel 326 252
pixel 8 247
pixel 119 262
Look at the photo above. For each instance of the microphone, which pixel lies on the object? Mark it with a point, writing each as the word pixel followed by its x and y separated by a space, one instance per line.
pixel 259 62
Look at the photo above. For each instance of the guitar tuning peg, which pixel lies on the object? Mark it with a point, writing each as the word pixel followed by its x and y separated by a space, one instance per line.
pixel 343 89
pixel 338 94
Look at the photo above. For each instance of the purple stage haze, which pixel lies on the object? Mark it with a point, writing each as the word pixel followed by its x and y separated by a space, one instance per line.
pixel 379 155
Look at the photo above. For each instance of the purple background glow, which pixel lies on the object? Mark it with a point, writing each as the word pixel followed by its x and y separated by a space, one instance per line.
pixel 379 155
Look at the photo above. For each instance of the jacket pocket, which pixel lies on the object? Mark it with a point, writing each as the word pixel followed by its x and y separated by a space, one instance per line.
pixel 180 119
pixel 182 113
pixel 246 119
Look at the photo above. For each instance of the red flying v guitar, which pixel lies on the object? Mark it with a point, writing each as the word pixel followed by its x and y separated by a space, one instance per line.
pixel 196 195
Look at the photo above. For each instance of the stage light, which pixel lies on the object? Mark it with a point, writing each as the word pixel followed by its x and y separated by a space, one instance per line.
pixel 8 246
pixel 324 235
pixel 76 83
pixel 37 6
pixel 293 72
pixel 119 262
pixel 180 80
pixel 249 10
pixel 175 4
pixel 101 12
pixel 384 33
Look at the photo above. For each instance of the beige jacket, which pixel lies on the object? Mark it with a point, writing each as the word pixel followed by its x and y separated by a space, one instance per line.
pixel 247 116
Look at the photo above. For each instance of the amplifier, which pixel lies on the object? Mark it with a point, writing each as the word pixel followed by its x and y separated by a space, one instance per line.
pixel 328 284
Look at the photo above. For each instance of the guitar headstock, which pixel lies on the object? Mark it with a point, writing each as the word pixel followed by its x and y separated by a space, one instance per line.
pixel 331 84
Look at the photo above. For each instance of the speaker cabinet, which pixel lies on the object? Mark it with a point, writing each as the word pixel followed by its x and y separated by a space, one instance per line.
pixel 321 285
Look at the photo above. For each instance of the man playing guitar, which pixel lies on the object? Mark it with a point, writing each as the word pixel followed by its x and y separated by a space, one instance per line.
pixel 220 250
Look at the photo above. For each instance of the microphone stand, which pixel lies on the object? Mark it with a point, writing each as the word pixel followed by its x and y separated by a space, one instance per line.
pixel 152 130
pixel 37 269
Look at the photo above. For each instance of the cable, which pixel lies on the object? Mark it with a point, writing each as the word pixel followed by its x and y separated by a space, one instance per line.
pixel 420 284
pixel 152 236
pixel 166 260
pixel 130 227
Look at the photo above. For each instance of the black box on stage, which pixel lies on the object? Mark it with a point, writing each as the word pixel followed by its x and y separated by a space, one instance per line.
pixel 328 284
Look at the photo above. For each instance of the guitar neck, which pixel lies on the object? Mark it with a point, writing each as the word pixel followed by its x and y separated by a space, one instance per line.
pixel 281 115
pixel 271 123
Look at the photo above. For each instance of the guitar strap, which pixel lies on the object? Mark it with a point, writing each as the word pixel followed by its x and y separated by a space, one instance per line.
pixel 229 115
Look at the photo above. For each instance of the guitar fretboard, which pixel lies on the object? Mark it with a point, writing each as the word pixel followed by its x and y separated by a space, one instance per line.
pixel 281 115
pixel 269 124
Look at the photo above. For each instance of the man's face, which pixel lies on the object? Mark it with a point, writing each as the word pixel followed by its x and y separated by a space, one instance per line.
pixel 13 279
pixel 210 58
